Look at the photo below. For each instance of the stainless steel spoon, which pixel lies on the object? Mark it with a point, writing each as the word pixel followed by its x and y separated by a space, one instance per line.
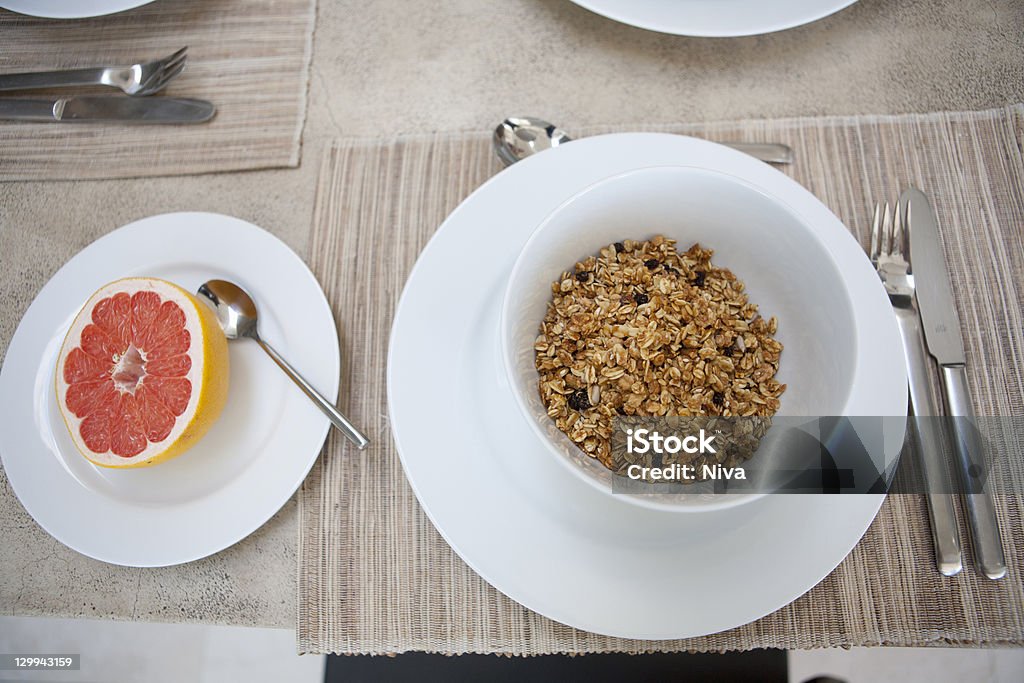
pixel 517 137
pixel 236 313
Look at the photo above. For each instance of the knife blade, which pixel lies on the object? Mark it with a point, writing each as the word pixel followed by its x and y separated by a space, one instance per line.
pixel 943 338
pixel 935 292
pixel 108 108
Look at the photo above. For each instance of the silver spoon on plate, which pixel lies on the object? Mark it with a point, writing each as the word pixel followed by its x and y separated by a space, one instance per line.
pixel 517 137
pixel 236 312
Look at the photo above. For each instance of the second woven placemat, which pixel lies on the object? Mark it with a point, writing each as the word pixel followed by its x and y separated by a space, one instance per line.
pixel 374 575
pixel 249 57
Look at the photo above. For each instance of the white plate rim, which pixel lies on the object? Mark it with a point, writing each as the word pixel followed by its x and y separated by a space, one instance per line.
pixel 68 9
pixel 859 510
pixel 192 535
pixel 731 22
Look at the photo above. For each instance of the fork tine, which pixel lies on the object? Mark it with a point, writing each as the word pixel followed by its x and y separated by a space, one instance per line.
pixel 875 227
pixel 159 66
pixel 176 55
pixel 897 233
pixel 167 64
pixel 157 81
pixel 886 237
pixel 171 74
pixel 175 59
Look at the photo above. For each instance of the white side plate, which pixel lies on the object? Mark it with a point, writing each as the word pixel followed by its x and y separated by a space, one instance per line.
pixel 249 463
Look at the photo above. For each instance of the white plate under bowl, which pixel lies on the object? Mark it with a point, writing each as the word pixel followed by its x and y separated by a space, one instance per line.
pixel 70 9
pixel 249 463
pixel 715 18
pixel 523 521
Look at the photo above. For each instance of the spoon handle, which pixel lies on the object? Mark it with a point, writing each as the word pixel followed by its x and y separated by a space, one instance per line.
pixel 339 420
pixel 773 153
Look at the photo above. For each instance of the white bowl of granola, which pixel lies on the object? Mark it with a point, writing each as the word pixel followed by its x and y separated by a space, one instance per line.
pixel 616 307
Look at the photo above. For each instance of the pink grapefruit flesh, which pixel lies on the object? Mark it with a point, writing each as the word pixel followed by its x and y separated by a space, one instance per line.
pixel 142 373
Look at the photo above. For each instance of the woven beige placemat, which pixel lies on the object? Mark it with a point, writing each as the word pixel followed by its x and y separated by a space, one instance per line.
pixel 374 575
pixel 249 57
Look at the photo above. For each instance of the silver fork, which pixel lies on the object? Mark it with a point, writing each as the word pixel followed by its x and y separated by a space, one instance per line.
pixel 141 79
pixel 889 255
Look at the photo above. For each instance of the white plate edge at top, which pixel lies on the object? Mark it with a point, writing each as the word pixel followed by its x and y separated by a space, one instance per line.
pixel 725 20
pixel 70 9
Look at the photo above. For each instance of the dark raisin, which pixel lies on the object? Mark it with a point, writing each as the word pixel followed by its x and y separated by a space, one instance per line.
pixel 641 299
pixel 718 399
pixel 619 247
pixel 582 275
pixel 670 269
pixel 579 400
pixel 698 278
pixel 651 263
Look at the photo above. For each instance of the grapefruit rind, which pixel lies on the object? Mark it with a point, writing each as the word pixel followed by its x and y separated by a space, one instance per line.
pixel 208 374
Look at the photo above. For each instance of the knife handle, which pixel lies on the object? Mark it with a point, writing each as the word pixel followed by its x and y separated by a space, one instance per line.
pixel 28 110
pixel 981 514
pixel 927 444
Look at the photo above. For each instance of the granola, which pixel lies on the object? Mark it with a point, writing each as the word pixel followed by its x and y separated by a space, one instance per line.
pixel 644 330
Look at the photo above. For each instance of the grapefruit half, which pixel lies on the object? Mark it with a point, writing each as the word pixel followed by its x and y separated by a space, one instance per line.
pixel 142 373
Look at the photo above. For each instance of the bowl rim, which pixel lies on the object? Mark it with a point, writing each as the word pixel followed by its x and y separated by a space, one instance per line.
pixel 507 351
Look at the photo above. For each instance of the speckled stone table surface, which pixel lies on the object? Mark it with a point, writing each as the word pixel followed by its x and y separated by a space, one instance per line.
pixel 390 67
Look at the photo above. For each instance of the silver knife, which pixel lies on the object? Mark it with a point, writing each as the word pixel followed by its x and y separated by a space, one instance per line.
pixel 945 343
pixel 108 108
